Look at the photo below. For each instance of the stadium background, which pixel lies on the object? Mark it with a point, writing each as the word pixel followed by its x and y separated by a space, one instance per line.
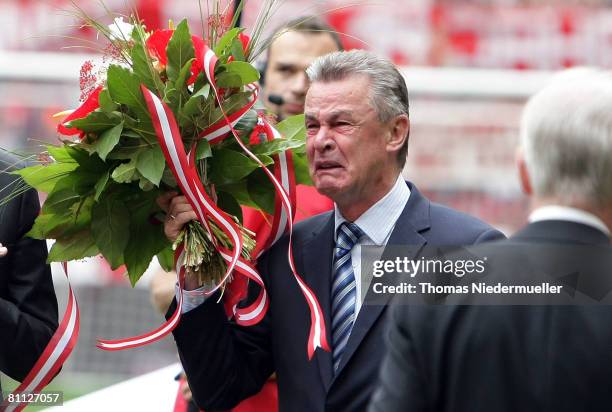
pixel 469 65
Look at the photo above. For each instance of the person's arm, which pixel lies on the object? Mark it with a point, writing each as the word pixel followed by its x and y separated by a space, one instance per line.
pixel 28 306
pixel 162 290
pixel 224 363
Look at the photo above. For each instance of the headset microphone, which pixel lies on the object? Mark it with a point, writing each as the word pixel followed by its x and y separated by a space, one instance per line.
pixel 276 99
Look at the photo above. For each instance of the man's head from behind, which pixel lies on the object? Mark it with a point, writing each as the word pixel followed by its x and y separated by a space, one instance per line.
pixel 357 127
pixel 566 142
pixel 293 47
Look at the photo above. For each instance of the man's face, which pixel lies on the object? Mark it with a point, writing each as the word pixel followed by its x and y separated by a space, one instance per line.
pixel 289 57
pixel 347 146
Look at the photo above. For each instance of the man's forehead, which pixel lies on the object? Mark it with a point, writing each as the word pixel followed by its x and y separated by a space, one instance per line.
pixel 337 98
pixel 301 46
pixel 352 86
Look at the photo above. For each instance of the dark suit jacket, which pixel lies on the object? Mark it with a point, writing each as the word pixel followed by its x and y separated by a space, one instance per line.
pixel 508 358
pixel 226 363
pixel 28 307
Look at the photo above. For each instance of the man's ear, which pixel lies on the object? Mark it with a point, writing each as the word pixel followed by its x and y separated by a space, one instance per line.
pixel 523 172
pixel 399 130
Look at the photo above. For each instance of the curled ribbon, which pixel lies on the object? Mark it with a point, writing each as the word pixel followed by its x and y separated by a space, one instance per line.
pixel 317 336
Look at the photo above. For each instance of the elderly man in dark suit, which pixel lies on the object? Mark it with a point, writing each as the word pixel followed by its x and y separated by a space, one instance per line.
pixel 357 138
pixel 552 355
pixel 28 307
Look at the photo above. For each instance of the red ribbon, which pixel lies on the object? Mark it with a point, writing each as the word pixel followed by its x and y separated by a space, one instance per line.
pixel 55 354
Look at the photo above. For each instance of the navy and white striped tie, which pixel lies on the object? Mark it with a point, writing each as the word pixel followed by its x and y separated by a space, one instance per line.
pixel 344 289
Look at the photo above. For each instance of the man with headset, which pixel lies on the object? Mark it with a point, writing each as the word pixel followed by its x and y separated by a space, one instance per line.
pixel 293 46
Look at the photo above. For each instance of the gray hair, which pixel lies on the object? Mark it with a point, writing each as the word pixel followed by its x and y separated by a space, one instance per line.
pixel 388 91
pixel 566 134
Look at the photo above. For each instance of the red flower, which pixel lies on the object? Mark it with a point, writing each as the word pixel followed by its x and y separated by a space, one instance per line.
pixel 87 107
pixel 158 42
pixel 244 39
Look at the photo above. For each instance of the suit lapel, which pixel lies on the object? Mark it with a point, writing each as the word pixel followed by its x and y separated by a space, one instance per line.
pixel 413 220
pixel 317 258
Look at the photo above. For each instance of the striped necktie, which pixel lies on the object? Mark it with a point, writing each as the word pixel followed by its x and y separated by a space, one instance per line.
pixel 344 289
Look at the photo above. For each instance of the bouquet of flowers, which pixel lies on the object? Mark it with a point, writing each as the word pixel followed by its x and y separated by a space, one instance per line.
pixel 169 110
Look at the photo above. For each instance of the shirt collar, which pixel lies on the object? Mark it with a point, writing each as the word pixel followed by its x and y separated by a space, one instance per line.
pixel 570 214
pixel 378 221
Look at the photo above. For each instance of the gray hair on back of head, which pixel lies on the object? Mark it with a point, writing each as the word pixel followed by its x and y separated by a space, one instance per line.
pixel 566 134
pixel 388 91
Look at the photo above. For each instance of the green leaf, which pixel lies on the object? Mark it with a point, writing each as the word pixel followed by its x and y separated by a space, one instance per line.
pixel 265 159
pixel 60 200
pixel 146 239
pixel 44 178
pixel 246 71
pixel 64 224
pixel 228 203
pixel 110 227
pixel 226 40
pixel 184 74
pixel 124 88
pixel 69 190
pixel 78 246
pixel 151 164
pixel 144 184
pixel 176 93
pixel 301 170
pixel 240 192
pixel 261 191
pixel 101 185
pixel 204 91
pixel 124 173
pixel 96 121
pixel 143 68
pixel 201 81
pixel 61 154
pixel 87 162
pixel 192 107
pixel 40 226
pixel 106 103
pixel 166 259
pixel 228 80
pixel 179 50
pixel 233 103
pixel 124 152
pixel 237 50
pixel 203 149
pixel 230 166
pixel 293 128
pixel 130 134
pixel 143 128
pixel 275 146
pixel 108 140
